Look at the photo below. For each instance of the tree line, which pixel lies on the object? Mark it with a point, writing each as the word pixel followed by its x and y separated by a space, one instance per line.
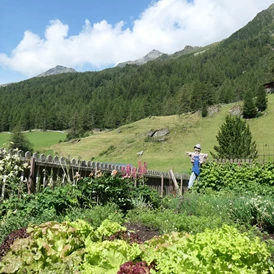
pixel 231 70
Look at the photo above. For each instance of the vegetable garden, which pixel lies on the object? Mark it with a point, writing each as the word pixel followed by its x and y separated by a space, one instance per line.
pixel 103 224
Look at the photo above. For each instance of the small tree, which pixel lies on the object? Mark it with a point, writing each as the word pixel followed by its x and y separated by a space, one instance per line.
pixel 235 140
pixel 204 110
pixel 261 99
pixel 19 141
pixel 249 108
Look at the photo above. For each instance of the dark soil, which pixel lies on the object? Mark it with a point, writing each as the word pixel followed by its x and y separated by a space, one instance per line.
pixel 143 232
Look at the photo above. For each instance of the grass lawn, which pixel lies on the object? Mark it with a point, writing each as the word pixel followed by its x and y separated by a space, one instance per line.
pixel 42 141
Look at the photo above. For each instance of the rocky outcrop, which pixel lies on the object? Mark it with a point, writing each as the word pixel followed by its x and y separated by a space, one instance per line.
pixel 56 70
pixel 154 54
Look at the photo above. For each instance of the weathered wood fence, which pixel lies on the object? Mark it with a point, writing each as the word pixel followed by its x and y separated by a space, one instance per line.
pixel 48 170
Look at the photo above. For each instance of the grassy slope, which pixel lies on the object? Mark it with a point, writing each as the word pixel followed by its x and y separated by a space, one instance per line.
pixel 185 132
pixel 42 141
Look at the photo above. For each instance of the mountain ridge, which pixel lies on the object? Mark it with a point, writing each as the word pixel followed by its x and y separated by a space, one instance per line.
pixel 57 70
pixel 187 81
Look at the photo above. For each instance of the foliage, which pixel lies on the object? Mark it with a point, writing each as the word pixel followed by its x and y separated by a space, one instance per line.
pixel 10 239
pixel 147 195
pixel 252 177
pixel 117 96
pixel 51 246
pixel 19 141
pixel 107 256
pixel 222 250
pixel 58 200
pixel 235 140
pixel 103 189
pixel 249 108
pixel 135 268
pixel 261 99
pixel 204 110
pixel 167 221
pixel 96 214
pixel 10 167
pixel 76 247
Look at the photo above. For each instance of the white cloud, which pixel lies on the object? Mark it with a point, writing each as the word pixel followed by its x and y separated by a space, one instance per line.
pixel 166 25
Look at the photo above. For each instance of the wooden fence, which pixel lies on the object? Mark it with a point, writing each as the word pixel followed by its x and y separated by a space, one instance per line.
pixel 48 170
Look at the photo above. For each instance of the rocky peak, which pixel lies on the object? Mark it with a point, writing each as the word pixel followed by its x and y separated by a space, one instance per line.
pixel 56 70
pixel 149 57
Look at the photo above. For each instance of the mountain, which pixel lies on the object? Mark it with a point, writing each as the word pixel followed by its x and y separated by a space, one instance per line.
pixel 186 81
pixel 56 70
pixel 154 54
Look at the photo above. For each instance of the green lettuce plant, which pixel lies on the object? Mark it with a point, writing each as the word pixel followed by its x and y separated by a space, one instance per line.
pixel 222 250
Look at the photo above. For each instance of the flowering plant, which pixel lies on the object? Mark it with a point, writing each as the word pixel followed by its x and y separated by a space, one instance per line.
pixel 10 167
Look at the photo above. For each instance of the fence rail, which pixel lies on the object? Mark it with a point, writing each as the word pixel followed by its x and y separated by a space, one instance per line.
pixel 48 170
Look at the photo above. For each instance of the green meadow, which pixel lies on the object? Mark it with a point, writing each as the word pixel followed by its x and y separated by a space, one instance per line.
pixel 122 144
pixel 41 140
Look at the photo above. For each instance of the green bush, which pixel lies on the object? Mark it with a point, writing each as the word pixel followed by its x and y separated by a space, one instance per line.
pixel 148 195
pixel 103 189
pixel 253 177
pixel 58 200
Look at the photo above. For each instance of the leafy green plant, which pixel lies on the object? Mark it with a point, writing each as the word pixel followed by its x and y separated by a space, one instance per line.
pixel 103 189
pixel 50 246
pixel 167 221
pixel 251 177
pixel 147 195
pixel 76 247
pixel 222 250
pixel 96 214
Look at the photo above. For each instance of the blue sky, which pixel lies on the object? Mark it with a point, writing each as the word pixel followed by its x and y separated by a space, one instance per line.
pixel 92 35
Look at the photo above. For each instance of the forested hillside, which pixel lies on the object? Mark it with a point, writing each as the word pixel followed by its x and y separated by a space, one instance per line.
pixel 220 73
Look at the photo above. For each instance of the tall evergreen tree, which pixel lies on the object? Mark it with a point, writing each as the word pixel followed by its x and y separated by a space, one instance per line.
pixel 204 110
pixel 249 108
pixel 261 99
pixel 235 140
pixel 18 140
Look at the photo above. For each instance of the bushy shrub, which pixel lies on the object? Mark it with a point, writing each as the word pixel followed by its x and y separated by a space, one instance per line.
pixel 148 195
pixel 57 200
pixel 252 177
pixel 103 189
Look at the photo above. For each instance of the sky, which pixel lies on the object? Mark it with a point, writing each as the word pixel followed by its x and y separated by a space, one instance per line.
pixel 91 35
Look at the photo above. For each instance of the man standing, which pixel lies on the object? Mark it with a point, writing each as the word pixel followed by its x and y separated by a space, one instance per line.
pixel 197 158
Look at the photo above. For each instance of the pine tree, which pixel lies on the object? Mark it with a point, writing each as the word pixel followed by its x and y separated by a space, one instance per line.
pixel 18 140
pixel 261 99
pixel 235 140
pixel 249 108
pixel 204 110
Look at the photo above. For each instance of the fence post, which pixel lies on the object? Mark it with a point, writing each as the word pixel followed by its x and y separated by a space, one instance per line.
pixel 175 184
pixel 31 175
pixel 162 185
